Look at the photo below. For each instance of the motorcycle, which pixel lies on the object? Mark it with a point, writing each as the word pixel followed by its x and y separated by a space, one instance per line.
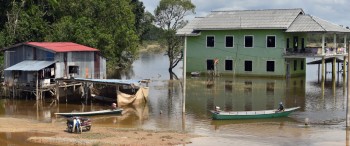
pixel 77 124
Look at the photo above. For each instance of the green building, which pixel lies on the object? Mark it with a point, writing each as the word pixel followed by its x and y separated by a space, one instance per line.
pixel 271 42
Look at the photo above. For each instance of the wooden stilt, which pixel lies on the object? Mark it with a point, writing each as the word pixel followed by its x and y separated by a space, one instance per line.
pixel 117 90
pixel 37 85
pixel 86 92
pixel 57 91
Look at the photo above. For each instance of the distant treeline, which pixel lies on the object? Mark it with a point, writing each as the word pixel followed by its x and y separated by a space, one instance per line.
pixel 115 27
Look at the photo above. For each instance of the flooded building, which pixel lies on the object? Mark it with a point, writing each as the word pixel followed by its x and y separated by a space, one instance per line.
pixel 37 65
pixel 272 42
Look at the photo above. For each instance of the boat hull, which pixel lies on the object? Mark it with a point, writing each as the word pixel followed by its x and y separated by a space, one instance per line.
pixel 252 114
pixel 92 113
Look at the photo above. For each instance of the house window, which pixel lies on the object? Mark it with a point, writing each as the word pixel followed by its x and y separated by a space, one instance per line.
pixel 270 66
pixel 229 65
pixel 229 41
pixel 210 41
pixel 248 66
pixel 295 65
pixel 270 41
pixel 295 42
pixel 210 64
pixel 73 69
pixel 248 41
pixel 50 56
pixel 302 65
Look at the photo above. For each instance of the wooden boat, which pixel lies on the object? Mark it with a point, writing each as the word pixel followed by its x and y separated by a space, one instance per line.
pixel 195 74
pixel 232 115
pixel 103 98
pixel 91 113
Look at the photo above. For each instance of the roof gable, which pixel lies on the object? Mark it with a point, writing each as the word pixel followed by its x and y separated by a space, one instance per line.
pixel 61 46
pixel 188 29
pixel 308 23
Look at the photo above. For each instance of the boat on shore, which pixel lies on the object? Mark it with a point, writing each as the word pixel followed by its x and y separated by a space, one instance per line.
pixel 234 115
pixel 91 113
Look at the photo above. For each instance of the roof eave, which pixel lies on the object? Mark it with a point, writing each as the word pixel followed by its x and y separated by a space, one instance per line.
pixel 240 28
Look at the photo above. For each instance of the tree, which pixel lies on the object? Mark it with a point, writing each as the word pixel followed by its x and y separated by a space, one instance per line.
pixel 108 25
pixel 169 16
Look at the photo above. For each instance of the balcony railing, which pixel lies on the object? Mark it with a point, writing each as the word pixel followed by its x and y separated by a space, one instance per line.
pixel 316 51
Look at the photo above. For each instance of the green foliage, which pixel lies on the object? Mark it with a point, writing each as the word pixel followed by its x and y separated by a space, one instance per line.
pixel 113 26
pixel 169 16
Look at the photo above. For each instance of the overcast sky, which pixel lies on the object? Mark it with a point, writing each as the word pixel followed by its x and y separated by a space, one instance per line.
pixel 335 11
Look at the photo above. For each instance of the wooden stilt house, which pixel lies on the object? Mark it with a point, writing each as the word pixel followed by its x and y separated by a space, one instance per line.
pixel 39 64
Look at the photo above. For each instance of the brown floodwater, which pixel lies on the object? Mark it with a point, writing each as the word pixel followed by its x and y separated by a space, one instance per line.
pixel 19 138
pixel 324 108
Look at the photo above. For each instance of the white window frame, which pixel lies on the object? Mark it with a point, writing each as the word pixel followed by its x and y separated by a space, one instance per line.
pixel 206 41
pixel 275 41
pixel 252 41
pixel 274 64
pixel 233 41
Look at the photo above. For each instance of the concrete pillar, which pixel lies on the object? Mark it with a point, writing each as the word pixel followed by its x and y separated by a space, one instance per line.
pixel 348 98
pixel 323 41
pixel 333 67
pixel 344 68
pixel 323 69
pixel 184 76
pixel 345 43
pixel 318 73
pixel 335 42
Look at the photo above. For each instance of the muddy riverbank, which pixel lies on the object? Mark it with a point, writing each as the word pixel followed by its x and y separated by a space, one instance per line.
pixel 55 133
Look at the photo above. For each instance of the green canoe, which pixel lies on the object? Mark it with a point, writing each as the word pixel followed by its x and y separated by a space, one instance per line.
pixel 232 115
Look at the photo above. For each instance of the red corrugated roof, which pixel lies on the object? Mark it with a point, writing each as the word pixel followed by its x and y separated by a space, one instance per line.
pixel 61 46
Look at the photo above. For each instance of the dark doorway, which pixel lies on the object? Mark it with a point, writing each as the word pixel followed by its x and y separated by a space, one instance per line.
pixel 210 64
pixel 229 65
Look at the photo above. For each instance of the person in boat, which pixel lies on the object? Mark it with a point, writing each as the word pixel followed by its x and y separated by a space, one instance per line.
pixel 281 107
pixel 217 109
pixel 114 106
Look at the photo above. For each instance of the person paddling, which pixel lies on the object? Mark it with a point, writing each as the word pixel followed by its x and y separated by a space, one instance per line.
pixel 114 106
pixel 281 107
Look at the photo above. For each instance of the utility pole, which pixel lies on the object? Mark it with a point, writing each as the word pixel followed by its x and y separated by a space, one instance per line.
pixel 184 76
pixel 348 95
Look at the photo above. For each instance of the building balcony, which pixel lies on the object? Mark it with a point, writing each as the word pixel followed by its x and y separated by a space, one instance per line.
pixel 314 52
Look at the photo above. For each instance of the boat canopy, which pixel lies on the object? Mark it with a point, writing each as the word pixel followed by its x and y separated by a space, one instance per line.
pixel 112 81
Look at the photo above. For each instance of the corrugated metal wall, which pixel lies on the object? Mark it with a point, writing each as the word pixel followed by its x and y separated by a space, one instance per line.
pixel 85 61
pixel 103 70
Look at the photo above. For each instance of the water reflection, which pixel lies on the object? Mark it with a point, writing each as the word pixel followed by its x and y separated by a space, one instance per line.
pixel 131 117
pixel 19 138
pixel 244 93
